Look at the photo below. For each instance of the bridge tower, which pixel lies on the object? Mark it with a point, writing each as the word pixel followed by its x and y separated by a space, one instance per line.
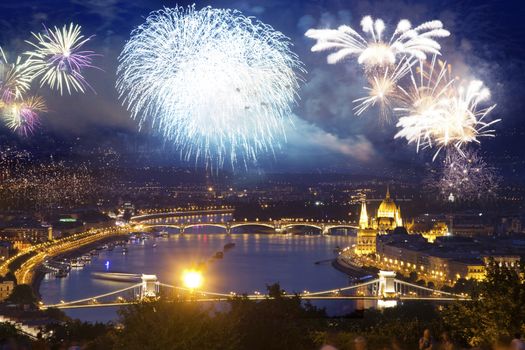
pixel 387 288
pixel 150 286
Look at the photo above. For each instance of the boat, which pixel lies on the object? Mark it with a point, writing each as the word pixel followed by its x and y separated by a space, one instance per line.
pixel 124 250
pixel 164 233
pixel 219 255
pixel 94 253
pixel 154 245
pixel 60 274
pixel 86 257
pixel 76 263
pixel 229 245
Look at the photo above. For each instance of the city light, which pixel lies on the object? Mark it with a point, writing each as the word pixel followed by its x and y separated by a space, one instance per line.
pixel 192 279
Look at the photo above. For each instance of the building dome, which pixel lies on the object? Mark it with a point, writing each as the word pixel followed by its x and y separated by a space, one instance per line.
pixel 387 209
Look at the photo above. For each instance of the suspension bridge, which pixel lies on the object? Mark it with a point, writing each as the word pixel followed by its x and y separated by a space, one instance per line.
pixel 386 289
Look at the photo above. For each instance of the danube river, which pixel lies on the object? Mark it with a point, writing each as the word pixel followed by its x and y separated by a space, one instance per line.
pixel 255 261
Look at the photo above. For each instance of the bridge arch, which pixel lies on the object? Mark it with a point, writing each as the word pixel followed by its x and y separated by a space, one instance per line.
pixel 249 223
pixel 305 224
pixel 204 224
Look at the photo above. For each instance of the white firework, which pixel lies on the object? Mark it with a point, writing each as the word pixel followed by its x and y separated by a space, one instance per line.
pixel 438 110
pixel 465 177
pixel 374 51
pixel 218 84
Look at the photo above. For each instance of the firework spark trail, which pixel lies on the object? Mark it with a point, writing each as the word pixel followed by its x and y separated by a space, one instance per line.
pixel 374 51
pixel 440 110
pixel 216 83
pixel 465 176
pixel 15 78
pixel 57 58
pixel 23 116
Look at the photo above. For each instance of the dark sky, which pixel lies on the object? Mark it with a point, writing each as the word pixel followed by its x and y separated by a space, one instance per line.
pixel 487 42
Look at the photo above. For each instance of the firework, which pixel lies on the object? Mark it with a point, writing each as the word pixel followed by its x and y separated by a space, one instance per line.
pixel 23 116
pixel 217 84
pixel 374 51
pixel 57 58
pixel 383 89
pixel 465 177
pixel 440 110
pixel 15 78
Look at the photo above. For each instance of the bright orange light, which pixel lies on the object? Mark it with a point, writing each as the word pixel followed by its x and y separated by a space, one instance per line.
pixel 192 279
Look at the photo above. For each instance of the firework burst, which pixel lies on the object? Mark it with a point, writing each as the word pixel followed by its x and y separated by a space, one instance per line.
pixel 383 89
pixel 216 83
pixel 23 116
pixel 465 177
pixel 440 110
pixel 57 58
pixel 373 51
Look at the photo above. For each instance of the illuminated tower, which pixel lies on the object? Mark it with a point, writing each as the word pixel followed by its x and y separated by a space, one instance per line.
pixel 363 217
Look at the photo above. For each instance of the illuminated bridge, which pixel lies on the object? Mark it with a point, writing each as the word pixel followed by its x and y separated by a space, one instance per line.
pixel 278 226
pixel 385 289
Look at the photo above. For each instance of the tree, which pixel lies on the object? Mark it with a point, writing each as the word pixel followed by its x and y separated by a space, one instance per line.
pixel 497 309
pixel 22 294
pixel 76 331
pixel 277 322
pixel 169 325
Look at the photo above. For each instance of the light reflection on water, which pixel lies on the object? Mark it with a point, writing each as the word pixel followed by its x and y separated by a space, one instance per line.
pixel 255 261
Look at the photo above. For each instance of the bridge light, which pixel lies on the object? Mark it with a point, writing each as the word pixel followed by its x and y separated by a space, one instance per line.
pixel 192 279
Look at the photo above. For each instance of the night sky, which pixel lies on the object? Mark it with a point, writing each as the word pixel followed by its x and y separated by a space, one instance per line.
pixel 487 42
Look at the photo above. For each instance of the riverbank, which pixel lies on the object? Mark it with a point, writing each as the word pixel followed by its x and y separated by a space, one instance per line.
pixel 25 274
pixel 352 270
pixel 39 274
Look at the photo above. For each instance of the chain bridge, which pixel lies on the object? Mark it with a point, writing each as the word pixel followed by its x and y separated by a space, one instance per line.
pixel 386 289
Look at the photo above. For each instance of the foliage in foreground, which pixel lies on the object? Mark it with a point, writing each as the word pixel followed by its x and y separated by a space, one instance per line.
pixel 496 312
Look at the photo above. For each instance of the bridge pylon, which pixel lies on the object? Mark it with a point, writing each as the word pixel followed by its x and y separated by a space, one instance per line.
pixel 387 287
pixel 150 286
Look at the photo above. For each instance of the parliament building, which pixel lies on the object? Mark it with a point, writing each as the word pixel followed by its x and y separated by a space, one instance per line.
pixel 387 218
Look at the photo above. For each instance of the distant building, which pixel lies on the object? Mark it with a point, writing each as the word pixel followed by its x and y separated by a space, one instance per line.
pixel 5 249
pixel 23 234
pixel 442 262
pixel 6 287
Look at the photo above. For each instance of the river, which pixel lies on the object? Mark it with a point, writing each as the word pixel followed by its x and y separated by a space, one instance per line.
pixel 255 261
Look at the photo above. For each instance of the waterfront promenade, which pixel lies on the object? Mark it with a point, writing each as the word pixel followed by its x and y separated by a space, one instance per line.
pixel 29 260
